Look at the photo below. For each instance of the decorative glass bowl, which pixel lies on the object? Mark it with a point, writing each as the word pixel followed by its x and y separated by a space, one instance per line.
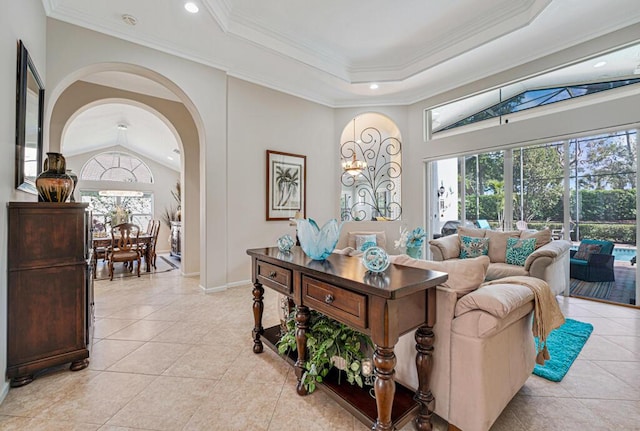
pixel 375 259
pixel 285 242
pixel 318 243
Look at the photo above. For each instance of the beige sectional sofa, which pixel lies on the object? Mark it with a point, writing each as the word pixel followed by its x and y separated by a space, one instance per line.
pixel 484 348
pixel 549 261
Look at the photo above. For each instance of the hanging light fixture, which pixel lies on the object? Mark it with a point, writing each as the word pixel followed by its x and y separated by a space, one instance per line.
pixel 354 167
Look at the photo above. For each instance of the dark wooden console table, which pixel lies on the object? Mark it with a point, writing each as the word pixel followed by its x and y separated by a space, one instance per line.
pixel 383 306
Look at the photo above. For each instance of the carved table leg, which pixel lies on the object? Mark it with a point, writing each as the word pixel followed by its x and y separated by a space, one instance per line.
pixel 302 325
pixel 384 360
pixel 258 308
pixel 16 382
pixel 424 362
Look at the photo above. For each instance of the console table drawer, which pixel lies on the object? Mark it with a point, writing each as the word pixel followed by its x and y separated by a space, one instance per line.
pixel 341 304
pixel 275 277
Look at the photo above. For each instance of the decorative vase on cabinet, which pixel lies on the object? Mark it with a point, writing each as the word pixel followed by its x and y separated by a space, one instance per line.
pixel 53 184
pixel 50 288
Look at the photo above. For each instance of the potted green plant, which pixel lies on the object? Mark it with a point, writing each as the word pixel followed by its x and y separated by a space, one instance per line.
pixel 329 344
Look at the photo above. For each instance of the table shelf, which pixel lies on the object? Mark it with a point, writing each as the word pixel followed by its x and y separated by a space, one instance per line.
pixel 354 399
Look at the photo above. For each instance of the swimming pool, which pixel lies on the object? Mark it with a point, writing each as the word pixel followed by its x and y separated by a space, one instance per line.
pixel 622 254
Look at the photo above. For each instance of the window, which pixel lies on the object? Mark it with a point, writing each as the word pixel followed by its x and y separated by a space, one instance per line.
pixel 116 166
pixel 534 98
pixel 138 208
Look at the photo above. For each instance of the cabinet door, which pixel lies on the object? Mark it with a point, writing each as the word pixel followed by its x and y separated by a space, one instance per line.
pixel 46 237
pixel 46 309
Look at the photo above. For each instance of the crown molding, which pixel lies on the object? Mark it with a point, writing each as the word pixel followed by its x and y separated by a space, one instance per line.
pixel 220 11
pixel 49 6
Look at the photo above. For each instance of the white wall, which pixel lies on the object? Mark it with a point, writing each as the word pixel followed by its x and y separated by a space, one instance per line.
pixel 261 119
pixel 202 89
pixel 164 181
pixel 19 20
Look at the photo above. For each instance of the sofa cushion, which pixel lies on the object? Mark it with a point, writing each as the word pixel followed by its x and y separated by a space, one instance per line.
pixel 519 249
pixel 542 236
pixel 586 250
pixel 498 244
pixel 496 299
pixel 607 246
pixel 469 231
pixel 464 275
pixel 364 239
pixel 481 324
pixel 501 270
pixel 473 247
pixel 381 238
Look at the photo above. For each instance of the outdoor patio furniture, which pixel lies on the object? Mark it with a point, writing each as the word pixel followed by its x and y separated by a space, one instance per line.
pixel 593 261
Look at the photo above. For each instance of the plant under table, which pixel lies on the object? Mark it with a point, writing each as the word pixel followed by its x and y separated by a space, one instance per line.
pixel 383 306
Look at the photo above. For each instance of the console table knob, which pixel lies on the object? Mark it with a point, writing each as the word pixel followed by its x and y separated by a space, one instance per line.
pixel 273 274
pixel 329 298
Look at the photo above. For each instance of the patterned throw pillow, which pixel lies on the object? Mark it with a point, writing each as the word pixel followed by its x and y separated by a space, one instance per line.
pixel 519 249
pixel 473 247
pixel 365 239
pixel 586 250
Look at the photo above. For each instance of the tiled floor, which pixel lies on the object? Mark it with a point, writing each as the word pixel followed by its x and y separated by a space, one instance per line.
pixel 169 357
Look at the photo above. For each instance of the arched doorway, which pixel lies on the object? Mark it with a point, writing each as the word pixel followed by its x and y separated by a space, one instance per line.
pixel 81 90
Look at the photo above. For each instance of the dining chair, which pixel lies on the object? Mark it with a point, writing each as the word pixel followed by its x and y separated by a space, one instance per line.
pixel 124 246
pixel 152 244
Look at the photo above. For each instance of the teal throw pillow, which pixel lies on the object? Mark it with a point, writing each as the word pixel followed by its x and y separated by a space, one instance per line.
pixel 519 249
pixel 473 247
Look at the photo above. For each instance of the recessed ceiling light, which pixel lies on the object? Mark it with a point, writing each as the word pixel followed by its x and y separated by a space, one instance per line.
pixel 129 19
pixel 122 127
pixel 373 86
pixel 191 7
pixel 600 64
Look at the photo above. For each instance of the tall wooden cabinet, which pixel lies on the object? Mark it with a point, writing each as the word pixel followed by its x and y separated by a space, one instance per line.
pixel 50 308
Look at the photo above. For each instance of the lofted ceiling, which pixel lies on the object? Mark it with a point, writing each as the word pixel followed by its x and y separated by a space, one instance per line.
pixel 330 52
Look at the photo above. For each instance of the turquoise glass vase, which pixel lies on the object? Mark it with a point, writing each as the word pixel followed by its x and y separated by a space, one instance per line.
pixel 375 259
pixel 414 252
pixel 318 243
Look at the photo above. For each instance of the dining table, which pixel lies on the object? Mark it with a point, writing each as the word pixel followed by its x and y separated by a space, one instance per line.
pixel 143 242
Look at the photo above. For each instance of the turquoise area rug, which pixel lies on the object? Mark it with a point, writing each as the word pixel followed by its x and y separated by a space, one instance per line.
pixel 564 345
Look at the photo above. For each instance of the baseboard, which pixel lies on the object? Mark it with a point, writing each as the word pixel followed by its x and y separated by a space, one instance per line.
pixel 213 289
pixel 190 274
pixel 5 391
pixel 239 283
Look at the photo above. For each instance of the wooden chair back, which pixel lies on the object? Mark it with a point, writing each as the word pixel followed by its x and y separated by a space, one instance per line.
pixel 124 237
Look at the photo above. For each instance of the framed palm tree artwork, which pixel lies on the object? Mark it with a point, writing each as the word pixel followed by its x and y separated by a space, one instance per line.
pixel 286 185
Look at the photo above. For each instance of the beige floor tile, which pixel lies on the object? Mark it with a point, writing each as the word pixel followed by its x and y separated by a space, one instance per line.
pixel 628 342
pixel 150 358
pixel 185 332
pixel 292 412
pixel 599 348
pixel 265 368
pixel 539 387
pixel 621 415
pixel 604 326
pixel 98 399
pixel 106 352
pixel 627 371
pixel 236 407
pixel 566 414
pixel 45 390
pixel 166 404
pixel 135 311
pixel 585 379
pixel 141 330
pixel 204 362
pixel 9 423
pixel 105 327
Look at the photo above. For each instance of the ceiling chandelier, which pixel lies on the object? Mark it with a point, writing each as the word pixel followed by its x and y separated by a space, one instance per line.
pixel 354 167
